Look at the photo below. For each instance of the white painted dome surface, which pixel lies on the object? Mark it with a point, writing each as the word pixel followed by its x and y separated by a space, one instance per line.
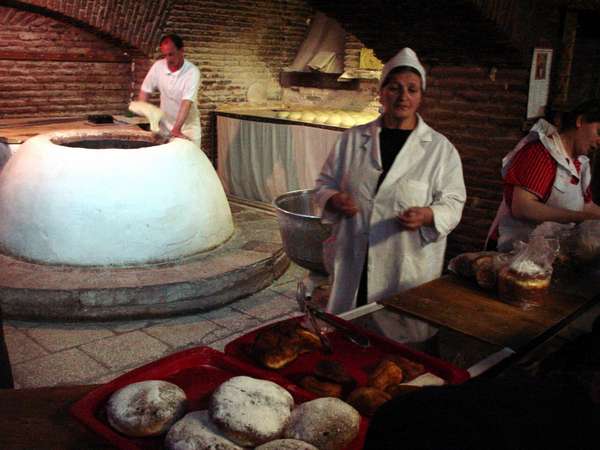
pixel 110 206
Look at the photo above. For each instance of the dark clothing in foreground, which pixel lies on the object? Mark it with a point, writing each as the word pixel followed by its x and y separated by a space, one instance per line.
pixel 490 415
pixel 557 407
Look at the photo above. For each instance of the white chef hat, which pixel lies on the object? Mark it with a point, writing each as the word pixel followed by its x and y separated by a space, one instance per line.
pixel 405 57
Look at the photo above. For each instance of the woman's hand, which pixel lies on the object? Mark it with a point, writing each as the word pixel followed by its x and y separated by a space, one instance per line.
pixel 414 218
pixel 342 203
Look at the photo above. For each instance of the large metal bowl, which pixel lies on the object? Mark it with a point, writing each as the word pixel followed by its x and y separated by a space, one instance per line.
pixel 301 229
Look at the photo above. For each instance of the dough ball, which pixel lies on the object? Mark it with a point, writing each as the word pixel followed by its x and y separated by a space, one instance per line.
pixel 195 431
pixel 147 408
pixel 308 116
pixel 322 117
pixel 295 115
pixel 250 411
pixel 334 119
pixel 348 121
pixel 286 444
pixel 283 114
pixel 327 423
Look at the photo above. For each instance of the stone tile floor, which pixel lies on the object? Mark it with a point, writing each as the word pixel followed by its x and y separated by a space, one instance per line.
pixel 55 353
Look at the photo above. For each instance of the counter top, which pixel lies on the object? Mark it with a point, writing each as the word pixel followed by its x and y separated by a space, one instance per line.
pixel 460 305
pixel 272 116
pixel 16 131
pixel 40 418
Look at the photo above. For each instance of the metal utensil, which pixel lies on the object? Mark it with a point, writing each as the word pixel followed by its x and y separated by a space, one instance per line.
pixel 350 334
pixel 302 302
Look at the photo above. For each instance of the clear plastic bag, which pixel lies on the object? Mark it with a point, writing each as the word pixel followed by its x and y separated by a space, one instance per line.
pixel 525 281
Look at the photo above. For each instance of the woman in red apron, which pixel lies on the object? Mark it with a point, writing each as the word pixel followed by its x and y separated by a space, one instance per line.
pixel 547 177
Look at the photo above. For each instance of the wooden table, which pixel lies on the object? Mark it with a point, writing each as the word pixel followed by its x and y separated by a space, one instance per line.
pixel 461 305
pixel 39 419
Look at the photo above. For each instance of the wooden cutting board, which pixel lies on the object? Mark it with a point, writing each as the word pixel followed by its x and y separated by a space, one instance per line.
pixel 462 306
pixel 16 131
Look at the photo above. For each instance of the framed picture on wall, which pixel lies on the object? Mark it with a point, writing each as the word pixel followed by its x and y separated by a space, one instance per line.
pixel 539 82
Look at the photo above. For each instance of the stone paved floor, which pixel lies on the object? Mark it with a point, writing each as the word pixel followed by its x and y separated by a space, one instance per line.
pixel 49 354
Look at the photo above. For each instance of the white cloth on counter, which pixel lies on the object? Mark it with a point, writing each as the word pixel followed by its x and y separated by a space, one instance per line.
pixel 426 172
pixel 174 87
pixel 261 160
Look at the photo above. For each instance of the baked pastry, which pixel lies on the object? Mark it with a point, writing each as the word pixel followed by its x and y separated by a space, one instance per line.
pixel 281 344
pixel 523 289
pixel 327 423
pixel 146 408
pixel 367 399
pixel 196 431
pixel 306 340
pixel 386 373
pixel 485 271
pixel 463 264
pixel 410 369
pixel 250 411
pixel 330 370
pixel 286 444
pixel 323 388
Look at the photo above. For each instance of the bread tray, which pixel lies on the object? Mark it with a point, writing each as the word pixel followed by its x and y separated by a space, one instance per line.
pixel 358 361
pixel 198 372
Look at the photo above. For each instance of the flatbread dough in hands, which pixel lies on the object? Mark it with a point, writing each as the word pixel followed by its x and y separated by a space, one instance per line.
pixel 153 113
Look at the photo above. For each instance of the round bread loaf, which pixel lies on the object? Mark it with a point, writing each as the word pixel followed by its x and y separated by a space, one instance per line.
pixel 327 423
pixel 521 289
pixel 250 411
pixel 286 444
pixel 334 119
pixel 195 432
pixel 147 408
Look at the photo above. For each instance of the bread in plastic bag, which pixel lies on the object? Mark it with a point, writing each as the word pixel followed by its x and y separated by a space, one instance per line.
pixel 465 265
pixel 525 281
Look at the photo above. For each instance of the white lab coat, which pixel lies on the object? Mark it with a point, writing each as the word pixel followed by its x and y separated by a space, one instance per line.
pixel 426 172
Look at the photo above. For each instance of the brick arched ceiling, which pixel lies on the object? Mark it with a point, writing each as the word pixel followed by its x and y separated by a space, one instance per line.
pixel 454 32
pixel 135 23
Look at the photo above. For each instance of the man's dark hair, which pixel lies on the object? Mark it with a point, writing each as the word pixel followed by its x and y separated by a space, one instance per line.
pixel 174 38
pixel 589 110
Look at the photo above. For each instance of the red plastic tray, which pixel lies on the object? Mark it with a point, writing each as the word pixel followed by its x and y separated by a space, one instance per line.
pixel 357 361
pixel 198 371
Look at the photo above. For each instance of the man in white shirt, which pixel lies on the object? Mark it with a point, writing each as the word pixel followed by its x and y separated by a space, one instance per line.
pixel 178 81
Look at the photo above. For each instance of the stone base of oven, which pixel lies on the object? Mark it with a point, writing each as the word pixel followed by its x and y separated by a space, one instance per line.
pixel 250 261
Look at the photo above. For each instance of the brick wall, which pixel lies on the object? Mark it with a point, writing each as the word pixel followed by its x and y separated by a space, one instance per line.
pixel 477 78
pixel 136 23
pixel 50 67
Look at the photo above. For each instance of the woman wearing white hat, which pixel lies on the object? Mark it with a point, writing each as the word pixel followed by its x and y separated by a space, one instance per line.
pixel 393 189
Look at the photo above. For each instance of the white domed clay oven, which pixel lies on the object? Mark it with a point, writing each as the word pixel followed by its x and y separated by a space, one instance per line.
pixel 85 197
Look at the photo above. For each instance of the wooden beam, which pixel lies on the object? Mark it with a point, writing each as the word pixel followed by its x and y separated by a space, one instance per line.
pixel 566 61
